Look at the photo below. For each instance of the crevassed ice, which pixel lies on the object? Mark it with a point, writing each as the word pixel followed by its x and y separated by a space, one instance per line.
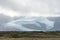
pixel 31 24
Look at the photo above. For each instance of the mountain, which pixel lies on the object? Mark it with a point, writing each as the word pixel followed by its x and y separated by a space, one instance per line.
pixel 4 19
pixel 3 28
pixel 32 24
pixel 29 24
pixel 56 23
pixel 56 19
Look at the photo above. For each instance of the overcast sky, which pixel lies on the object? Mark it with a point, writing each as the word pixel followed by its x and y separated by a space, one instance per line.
pixel 30 7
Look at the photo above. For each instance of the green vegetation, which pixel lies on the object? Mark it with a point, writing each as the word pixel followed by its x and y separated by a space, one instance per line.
pixel 18 34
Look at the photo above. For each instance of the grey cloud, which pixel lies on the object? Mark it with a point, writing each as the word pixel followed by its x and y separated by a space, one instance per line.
pixel 39 6
pixel 14 6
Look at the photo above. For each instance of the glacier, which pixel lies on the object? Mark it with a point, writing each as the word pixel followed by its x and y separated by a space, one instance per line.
pixel 30 24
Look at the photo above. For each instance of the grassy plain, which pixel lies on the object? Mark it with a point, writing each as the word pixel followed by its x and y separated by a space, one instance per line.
pixel 13 35
pixel 29 38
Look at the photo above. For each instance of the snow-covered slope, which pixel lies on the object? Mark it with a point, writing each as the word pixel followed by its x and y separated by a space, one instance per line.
pixel 30 24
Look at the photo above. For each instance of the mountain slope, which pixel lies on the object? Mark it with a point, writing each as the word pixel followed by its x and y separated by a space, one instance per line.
pixel 56 23
pixel 30 24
